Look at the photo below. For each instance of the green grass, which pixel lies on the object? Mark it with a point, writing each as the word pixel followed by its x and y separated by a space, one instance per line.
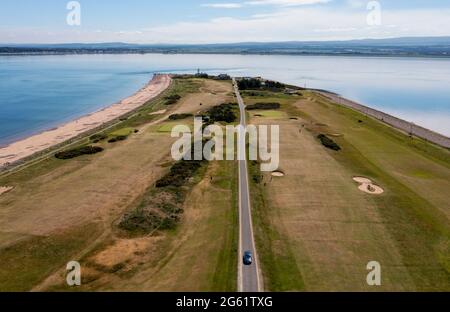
pixel 28 262
pixel 419 227
pixel 278 263
pixel 401 165
pixel 168 126
pixel 122 132
pixel 224 278
pixel 269 114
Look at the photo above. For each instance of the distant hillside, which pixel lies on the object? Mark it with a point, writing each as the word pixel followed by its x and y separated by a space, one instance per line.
pixel 411 46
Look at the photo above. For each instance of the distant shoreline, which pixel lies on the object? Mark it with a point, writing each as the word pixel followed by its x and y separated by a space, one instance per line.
pixel 229 53
pixel 29 146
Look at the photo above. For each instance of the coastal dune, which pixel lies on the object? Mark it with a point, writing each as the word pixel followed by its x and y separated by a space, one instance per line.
pixel 40 142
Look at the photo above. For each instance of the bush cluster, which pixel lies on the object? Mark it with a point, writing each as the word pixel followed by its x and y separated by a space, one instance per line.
pixel 262 106
pixel 223 112
pixel 172 99
pixel 160 208
pixel 328 143
pixel 179 173
pixel 146 221
pixel 257 84
pixel 76 152
pixel 179 116
pixel 98 137
pixel 118 138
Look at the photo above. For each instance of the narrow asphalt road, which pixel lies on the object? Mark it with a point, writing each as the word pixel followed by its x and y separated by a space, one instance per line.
pixel 248 275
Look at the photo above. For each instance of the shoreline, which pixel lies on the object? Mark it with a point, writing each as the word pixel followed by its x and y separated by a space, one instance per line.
pixel 397 123
pixel 45 140
pixel 132 52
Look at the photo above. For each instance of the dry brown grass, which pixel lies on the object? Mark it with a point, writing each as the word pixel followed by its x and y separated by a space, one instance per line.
pixel 49 199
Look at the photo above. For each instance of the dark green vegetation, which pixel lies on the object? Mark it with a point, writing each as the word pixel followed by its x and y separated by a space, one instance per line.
pixel 328 143
pixel 224 112
pixel 222 77
pixel 160 208
pixel 118 138
pixel 263 106
pixel 180 116
pixel 96 138
pixel 258 84
pixel 80 151
pixel 172 99
pixel 180 173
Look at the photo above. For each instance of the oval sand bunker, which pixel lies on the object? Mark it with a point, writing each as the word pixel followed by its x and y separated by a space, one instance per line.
pixel 5 189
pixel 362 180
pixel 367 186
pixel 278 174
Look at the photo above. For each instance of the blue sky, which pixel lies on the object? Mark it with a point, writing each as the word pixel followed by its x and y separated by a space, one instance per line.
pixel 209 21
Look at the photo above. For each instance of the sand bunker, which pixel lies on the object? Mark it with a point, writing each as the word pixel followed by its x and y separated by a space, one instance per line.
pixel 362 180
pixel 160 112
pixel 367 186
pixel 5 189
pixel 278 174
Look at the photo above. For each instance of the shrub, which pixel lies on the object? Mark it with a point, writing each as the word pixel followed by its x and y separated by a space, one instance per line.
pixel 179 173
pixel 172 99
pixel 117 139
pixel 223 112
pixel 263 106
pixel 169 222
pixel 98 137
pixel 202 75
pixel 248 84
pixel 329 143
pixel 179 116
pixel 85 150
pixel 141 221
pixel 257 84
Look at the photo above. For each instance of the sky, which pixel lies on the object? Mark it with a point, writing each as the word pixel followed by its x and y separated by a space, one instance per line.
pixel 216 21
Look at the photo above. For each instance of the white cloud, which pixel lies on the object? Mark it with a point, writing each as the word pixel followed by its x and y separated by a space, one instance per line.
pixel 286 2
pixel 222 5
pixel 306 24
pixel 284 24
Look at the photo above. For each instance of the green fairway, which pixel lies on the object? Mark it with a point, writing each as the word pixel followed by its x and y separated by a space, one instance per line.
pixel 268 114
pixel 317 225
pixel 168 126
pixel 123 132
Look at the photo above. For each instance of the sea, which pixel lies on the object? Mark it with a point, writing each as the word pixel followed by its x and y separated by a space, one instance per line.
pixel 41 92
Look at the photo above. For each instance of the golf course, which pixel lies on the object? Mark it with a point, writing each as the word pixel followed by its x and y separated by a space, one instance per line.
pixel 349 190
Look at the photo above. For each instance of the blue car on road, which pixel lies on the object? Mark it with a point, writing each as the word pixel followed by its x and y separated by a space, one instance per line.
pixel 248 258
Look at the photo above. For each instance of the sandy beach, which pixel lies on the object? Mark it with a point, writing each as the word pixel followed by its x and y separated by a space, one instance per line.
pixel 37 143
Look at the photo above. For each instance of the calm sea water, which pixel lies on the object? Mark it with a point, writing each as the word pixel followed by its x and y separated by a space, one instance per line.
pixel 42 92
